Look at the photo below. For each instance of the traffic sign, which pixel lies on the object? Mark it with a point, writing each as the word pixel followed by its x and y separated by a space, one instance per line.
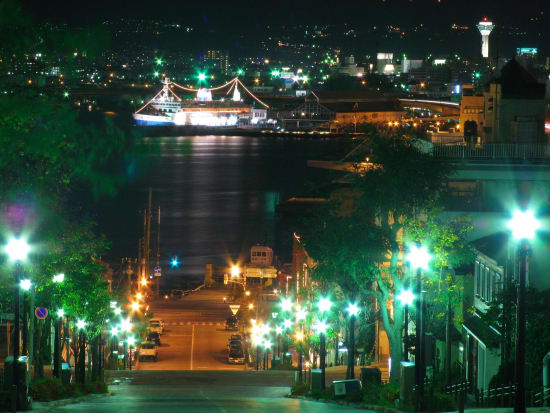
pixel 158 271
pixel 234 308
pixel 41 312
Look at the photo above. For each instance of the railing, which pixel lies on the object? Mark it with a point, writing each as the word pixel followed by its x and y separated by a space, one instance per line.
pixel 493 151
pixel 503 396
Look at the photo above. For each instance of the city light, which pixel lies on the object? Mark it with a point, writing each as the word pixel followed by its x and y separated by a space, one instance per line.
pixel 81 324
pixel 320 326
pixel 287 323
pixel 235 271
pixel 60 313
pixel 125 325
pixel 118 311
pixel 524 225
pixel 324 304
pixel 352 309
pixel 66 94
pixel 25 284
pixel 156 74
pixel 174 263
pixel 58 278
pixel 250 306
pixel 278 330
pixel 135 306
pixel 419 257
pixel 144 282
pixel 300 314
pixel 299 336
pixel 247 293
pixel 17 249
pixel 267 344
pixel 275 73
pixel 131 341
pixel 265 329
pixel 406 297
pixel 114 331
pixel 159 61
pixel 286 304
pixel 201 77
pixel 139 296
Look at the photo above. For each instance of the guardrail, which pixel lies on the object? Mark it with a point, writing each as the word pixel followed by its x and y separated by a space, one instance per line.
pixel 493 151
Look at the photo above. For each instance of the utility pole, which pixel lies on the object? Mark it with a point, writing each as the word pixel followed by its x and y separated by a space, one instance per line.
pixel 157 280
pixel 148 237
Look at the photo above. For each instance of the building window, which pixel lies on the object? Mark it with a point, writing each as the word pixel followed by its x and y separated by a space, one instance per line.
pixel 487 283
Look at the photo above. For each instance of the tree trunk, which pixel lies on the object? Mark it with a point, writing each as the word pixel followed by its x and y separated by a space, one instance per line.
pixel 396 355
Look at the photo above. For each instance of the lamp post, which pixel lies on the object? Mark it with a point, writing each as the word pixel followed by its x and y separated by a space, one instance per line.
pixel 324 305
pixel 419 259
pixel 25 285
pixel 81 371
pixel 17 250
pixel 406 297
pixel 524 226
pixel 300 339
pixel 352 310
pixel 131 342
pixel 57 344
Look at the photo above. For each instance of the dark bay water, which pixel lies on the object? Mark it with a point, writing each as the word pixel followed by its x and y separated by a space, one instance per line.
pixel 217 196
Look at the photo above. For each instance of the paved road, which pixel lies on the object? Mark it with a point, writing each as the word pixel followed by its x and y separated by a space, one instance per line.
pixel 201 392
pixel 195 338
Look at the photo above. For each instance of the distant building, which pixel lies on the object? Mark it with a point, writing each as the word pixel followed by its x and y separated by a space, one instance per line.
pixel 471 113
pixel 217 59
pixel 384 63
pixel 485 27
pixel 514 107
pixel 350 68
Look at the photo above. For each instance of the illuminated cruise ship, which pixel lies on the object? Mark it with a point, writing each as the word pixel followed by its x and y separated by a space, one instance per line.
pixel 167 108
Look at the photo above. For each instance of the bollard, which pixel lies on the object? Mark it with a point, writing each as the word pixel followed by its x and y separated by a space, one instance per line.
pixel 461 395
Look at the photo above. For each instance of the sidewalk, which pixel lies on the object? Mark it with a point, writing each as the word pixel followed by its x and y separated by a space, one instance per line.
pixel 339 372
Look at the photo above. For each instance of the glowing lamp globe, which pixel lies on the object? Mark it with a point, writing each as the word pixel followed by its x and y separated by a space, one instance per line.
pixel 406 297
pixel 80 324
pixel 202 77
pixel 287 323
pixel 286 304
pixel 114 331
pixel 125 325
pixel 118 311
pixel 299 336
pixel 267 344
pixel 320 327
pixel 59 278
pixel 131 341
pixel 419 257
pixel 352 309
pixel 17 249
pixel 278 330
pixel 301 315
pixel 524 225
pixel 235 271
pixel 25 284
pixel 60 313
pixel 174 263
pixel 324 304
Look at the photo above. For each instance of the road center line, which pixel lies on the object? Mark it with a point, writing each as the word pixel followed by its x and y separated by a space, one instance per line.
pixel 192 346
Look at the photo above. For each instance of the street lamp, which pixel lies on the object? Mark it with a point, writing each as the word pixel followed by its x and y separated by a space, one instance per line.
pixel 174 263
pixel 17 250
pixel 406 297
pixel 135 306
pixel 25 284
pixel 57 344
pixel 59 278
pixel 352 310
pixel 324 305
pixel 419 259
pixel 131 342
pixel 286 304
pixel 235 271
pixel 524 226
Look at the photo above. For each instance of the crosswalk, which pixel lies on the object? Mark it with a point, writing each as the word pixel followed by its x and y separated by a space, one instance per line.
pixel 191 323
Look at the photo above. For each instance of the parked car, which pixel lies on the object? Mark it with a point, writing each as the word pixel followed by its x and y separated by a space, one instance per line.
pixel 232 323
pixel 155 326
pixel 235 356
pixel 235 343
pixel 148 350
pixel 154 337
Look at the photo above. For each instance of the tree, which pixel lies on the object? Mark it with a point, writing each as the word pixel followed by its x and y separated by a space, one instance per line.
pixel 392 192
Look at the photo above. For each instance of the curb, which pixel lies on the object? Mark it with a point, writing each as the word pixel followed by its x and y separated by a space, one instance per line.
pixel 64 402
pixel 378 409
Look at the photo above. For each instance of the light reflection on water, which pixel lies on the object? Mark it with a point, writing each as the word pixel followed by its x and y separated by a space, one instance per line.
pixel 217 195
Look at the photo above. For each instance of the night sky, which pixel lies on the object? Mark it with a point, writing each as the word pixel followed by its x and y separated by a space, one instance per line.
pixel 246 12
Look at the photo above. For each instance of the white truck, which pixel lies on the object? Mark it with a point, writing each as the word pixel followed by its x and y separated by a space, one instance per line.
pixel 148 350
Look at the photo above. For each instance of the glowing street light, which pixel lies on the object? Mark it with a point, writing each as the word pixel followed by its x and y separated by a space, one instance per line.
pixel 114 331
pixel 287 324
pixel 125 325
pixel 278 330
pixel 143 282
pixel 524 225
pixel 174 263
pixel 118 311
pixel 25 284
pixel 286 304
pixel 81 324
pixel 66 94
pixel 247 293
pixel 275 73
pixel 131 341
pixel 17 249
pixel 250 306
pixel 135 306
pixel 159 61
pixel 201 77
pixel 61 313
pixel 267 344
pixel 320 326
pixel 406 297
pixel 301 314
pixel 324 304
pixel 265 329
pixel 299 336
pixel 59 278
pixel 139 296
pixel 235 271
pixel 419 257
pixel 352 309
pixel 156 74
